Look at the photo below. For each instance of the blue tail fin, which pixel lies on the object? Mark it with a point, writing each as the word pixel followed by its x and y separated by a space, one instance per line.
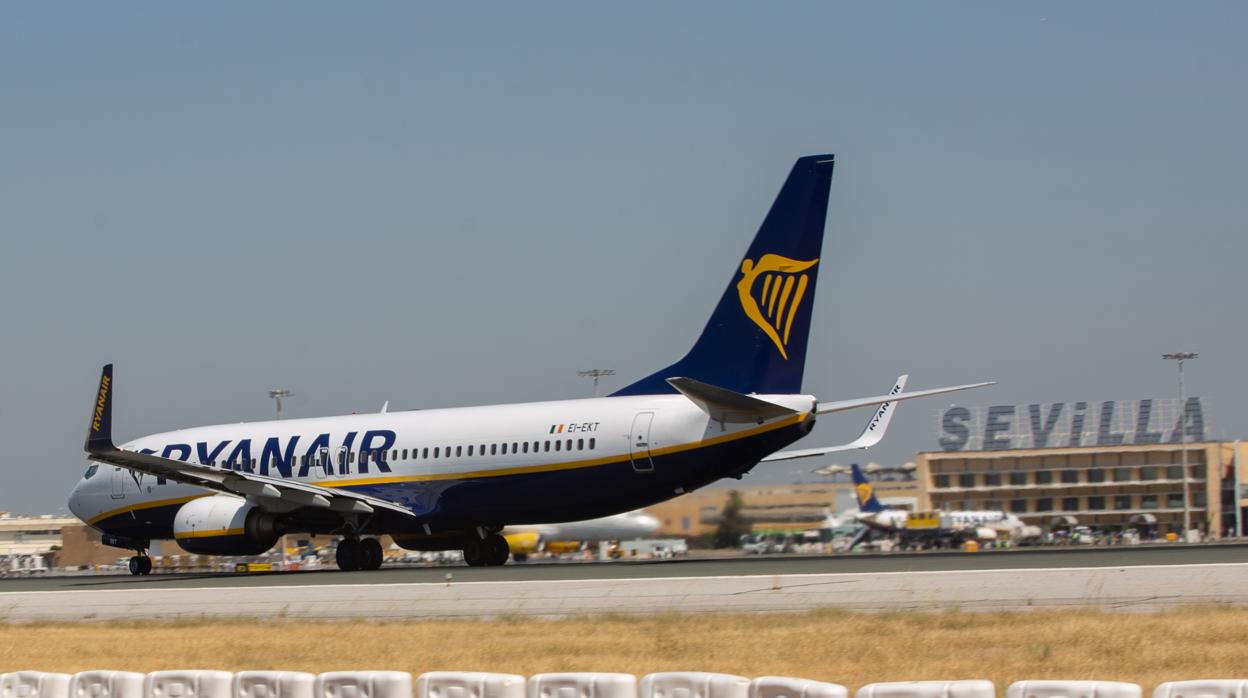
pixel 755 341
pixel 867 503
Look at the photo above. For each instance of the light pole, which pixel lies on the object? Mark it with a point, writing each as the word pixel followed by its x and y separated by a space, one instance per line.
pixel 596 373
pixel 1180 357
pixel 278 394
pixel 1239 512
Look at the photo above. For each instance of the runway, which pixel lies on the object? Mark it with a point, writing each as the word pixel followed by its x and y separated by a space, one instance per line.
pixel 1135 578
pixel 1023 558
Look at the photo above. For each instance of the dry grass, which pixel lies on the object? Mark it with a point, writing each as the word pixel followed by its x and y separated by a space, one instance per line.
pixel 852 649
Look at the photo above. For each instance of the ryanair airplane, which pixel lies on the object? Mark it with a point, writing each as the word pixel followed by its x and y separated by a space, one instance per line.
pixel 452 479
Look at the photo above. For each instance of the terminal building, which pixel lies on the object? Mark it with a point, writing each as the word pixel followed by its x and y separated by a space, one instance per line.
pixel 32 535
pixel 1106 465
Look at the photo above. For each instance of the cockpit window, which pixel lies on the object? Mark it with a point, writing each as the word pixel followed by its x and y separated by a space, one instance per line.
pixel 90 471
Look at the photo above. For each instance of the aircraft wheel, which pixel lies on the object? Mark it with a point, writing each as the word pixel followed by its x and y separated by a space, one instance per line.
pixel 498 550
pixel 145 565
pixel 349 555
pixel 476 552
pixel 136 565
pixel 370 554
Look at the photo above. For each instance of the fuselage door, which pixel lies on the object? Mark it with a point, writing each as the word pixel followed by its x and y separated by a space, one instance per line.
pixel 639 443
pixel 119 482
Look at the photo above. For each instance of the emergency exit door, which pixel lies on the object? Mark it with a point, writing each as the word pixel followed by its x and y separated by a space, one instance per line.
pixel 639 443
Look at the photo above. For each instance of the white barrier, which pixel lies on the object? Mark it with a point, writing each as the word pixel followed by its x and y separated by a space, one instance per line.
pixel 583 685
pixel 1072 689
pixel 107 684
pixel 449 684
pixel 694 684
pixel 34 684
pixel 273 684
pixel 1211 688
pixel 364 684
pixel 786 687
pixel 189 683
pixel 469 684
pixel 929 689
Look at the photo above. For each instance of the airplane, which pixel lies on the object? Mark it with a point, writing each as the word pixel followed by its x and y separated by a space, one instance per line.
pixel 452 479
pixel 569 536
pixel 932 527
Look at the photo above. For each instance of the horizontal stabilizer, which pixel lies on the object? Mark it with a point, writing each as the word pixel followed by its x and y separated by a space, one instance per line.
pixel 842 405
pixel 726 406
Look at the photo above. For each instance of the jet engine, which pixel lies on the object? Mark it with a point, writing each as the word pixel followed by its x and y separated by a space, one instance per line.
pixel 224 525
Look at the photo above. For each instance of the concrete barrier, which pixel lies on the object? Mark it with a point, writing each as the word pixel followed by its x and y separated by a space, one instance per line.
pixel 207 683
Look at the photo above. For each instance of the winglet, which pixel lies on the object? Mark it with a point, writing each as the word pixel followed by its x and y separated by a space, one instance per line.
pixel 871 435
pixel 875 428
pixel 100 428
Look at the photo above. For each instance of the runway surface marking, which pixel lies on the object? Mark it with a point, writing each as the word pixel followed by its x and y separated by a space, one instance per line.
pixel 591 580
pixel 1136 587
pixel 1029 558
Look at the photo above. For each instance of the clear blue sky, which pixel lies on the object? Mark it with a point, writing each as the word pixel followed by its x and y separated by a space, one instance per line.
pixel 446 204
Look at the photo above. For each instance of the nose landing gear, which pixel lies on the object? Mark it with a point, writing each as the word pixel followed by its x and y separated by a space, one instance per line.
pixel 140 564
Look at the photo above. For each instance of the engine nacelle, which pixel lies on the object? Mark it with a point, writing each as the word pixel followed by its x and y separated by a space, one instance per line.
pixel 224 525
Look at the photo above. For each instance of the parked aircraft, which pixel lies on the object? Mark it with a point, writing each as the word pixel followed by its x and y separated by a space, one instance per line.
pixel 449 479
pixel 934 527
pixel 570 536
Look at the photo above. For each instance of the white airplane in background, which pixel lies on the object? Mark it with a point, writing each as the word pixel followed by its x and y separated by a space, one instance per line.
pixel 568 536
pixel 450 479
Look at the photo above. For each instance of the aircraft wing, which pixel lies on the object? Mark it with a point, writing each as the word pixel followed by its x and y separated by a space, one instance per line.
pixel 99 447
pixel 870 436
pixel 842 405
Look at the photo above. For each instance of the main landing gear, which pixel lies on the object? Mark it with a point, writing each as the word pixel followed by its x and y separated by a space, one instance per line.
pixel 490 551
pixel 358 554
pixel 140 564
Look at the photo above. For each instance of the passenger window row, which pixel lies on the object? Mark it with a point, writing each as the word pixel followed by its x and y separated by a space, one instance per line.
pixel 438 452
pixel 495 449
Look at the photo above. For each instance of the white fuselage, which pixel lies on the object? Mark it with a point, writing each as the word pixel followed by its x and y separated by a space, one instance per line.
pixel 501 464
pixel 629 525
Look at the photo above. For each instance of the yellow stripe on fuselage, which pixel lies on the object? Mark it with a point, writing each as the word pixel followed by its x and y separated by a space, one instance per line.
pixel 570 465
pixel 210 534
pixel 144 505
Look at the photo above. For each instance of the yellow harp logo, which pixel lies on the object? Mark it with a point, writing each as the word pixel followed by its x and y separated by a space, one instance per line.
pixel 782 290
pixel 864 492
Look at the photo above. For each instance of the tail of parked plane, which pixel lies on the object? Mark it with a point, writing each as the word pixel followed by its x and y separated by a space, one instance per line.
pixel 755 341
pixel 867 503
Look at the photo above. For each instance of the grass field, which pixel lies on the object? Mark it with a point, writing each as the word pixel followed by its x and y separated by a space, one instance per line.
pixel 847 648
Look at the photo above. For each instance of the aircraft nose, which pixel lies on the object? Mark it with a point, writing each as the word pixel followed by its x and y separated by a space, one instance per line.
pixel 76 500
